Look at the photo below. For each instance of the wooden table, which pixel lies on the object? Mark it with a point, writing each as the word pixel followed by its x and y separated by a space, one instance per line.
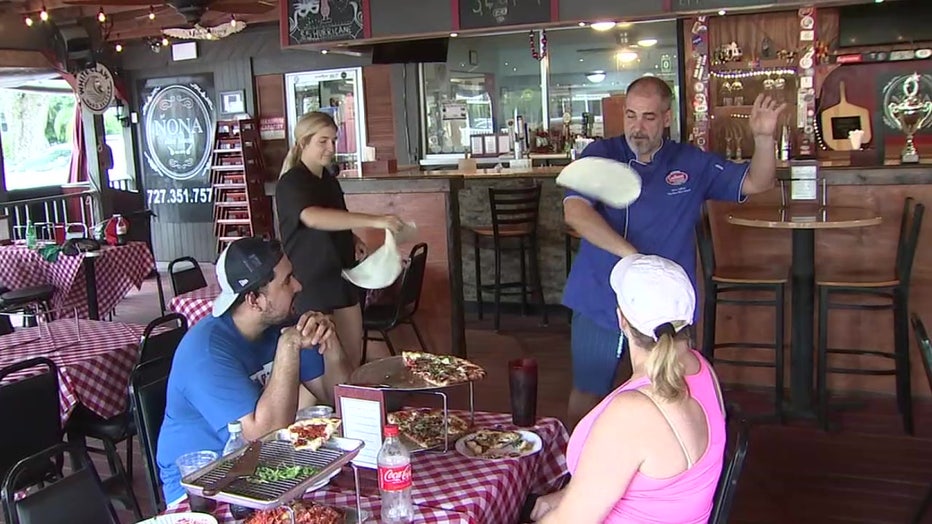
pixel 803 221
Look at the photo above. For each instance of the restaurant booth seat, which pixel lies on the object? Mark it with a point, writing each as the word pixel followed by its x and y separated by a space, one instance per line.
pixel 386 317
pixel 34 299
pixel 159 340
pixel 872 292
pixel 718 281
pixel 514 215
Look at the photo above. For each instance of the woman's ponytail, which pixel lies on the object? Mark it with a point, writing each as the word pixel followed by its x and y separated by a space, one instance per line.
pixel 663 366
pixel 291 159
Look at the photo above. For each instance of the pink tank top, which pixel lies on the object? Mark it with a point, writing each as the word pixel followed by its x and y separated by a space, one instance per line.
pixel 682 499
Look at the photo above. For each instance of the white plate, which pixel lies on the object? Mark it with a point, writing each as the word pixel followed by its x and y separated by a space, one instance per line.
pixel 322 483
pixel 181 518
pixel 614 183
pixel 533 438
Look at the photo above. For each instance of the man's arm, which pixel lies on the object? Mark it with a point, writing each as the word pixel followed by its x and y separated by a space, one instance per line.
pixel 278 403
pixel 579 214
pixel 763 120
pixel 336 371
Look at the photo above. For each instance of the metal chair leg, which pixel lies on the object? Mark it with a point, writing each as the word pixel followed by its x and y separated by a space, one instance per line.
pixel 538 285
pixel 901 349
pixel 778 353
pixel 388 342
pixel 708 321
pixel 498 286
pixel 522 257
pixel 478 267
pixel 365 347
pixel 822 365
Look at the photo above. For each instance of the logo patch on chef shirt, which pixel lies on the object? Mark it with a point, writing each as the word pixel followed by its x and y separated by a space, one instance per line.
pixel 676 180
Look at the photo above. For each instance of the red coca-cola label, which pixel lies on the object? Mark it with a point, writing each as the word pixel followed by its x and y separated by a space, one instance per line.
pixel 394 479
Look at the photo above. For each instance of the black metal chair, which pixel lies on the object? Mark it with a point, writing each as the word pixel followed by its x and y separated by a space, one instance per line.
pixel 884 292
pixel 34 300
pixel 159 341
pixel 186 275
pixel 736 451
pixel 33 403
pixel 386 317
pixel 718 281
pixel 76 498
pixel 925 349
pixel 514 218
pixel 148 386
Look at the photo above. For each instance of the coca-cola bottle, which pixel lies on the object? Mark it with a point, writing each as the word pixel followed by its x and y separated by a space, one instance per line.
pixel 395 479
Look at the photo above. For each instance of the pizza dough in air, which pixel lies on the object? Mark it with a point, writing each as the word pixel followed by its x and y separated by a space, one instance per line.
pixel 381 268
pixel 611 182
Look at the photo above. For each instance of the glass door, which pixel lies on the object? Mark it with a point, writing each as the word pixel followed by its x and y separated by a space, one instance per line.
pixel 339 93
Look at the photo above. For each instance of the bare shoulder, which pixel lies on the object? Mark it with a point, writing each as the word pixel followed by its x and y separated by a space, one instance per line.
pixel 628 407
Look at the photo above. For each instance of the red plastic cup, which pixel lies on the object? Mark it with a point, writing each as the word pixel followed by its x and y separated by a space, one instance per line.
pixel 522 381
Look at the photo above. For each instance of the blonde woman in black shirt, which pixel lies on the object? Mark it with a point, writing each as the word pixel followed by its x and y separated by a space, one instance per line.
pixel 316 229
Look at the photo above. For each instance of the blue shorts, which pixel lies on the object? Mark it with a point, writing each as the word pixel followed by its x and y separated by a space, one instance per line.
pixel 596 352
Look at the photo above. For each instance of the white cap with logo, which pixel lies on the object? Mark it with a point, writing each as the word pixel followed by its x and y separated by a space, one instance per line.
pixel 653 291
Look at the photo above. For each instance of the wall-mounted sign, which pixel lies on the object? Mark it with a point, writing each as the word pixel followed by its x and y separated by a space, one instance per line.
pixel 315 21
pixel 453 111
pixel 272 128
pixel 95 88
pixel 475 14
pixel 177 136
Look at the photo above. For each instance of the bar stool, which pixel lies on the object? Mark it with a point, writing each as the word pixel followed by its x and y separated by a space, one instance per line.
pixel 514 221
pixel 726 280
pixel 571 241
pixel 883 292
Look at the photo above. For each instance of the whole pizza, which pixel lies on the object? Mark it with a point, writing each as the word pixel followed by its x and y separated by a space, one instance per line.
pixel 424 426
pixel 441 370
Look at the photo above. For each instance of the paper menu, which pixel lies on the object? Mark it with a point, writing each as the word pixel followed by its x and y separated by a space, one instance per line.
pixel 361 410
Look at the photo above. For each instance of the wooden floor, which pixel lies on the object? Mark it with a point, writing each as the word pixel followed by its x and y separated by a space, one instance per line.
pixel 867 471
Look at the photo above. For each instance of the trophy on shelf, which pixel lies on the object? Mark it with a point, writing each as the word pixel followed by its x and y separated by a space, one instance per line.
pixel 911 112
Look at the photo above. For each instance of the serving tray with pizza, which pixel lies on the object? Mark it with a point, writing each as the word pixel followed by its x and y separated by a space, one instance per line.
pixel 415 370
pixel 428 428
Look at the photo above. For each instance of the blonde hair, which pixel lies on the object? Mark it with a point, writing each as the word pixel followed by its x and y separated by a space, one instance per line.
pixel 664 369
pixel 308 125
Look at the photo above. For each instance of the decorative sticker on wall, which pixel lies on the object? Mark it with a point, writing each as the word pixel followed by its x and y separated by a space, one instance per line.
pixel 312 21
pixel 699 82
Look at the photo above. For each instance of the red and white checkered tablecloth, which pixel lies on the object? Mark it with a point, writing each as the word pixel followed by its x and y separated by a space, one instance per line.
pixel 196 304
pixel 451 488
pixel 116 269
pixel 94 360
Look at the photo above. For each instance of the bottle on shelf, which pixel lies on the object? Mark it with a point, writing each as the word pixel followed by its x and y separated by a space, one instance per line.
pixel 235 442
pixel 785 144
pixel 394 469
pixel 30 235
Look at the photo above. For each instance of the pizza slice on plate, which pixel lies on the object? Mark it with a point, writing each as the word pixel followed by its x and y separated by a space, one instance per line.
pixel 489 443
pixel 441 370
pixel 312 433
pixel 424 426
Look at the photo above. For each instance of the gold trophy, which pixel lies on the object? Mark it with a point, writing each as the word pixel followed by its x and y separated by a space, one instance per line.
pixel 911 113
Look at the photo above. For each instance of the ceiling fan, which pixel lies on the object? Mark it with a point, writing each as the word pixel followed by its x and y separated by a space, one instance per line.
pixel 193 11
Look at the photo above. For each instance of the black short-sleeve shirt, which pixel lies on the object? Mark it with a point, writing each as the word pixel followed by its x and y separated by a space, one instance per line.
pixel 318 256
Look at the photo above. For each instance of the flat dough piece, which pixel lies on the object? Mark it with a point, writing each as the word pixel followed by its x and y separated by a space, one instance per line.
pixel 613 183
pixel 380 269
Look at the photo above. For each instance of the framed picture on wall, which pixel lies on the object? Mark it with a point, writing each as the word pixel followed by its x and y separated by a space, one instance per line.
pixel 233 102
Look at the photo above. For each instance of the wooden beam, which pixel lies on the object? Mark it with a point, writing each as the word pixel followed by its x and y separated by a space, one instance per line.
pixel 25 59
pixel 127 30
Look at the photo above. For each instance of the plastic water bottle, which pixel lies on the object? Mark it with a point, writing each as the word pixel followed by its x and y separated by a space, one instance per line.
pixel 30 235
pixel 235 442
pixel 395 479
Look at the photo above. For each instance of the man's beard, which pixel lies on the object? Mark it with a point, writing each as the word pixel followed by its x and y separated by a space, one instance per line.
pixel 641 145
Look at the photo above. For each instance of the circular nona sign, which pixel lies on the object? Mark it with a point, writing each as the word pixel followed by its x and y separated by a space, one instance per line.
pixel 179 131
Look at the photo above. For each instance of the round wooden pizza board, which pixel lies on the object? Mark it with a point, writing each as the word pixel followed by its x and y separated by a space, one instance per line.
pixel 390 373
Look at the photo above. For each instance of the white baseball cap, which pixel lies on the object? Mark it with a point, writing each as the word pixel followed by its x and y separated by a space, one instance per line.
pixel 653 291
pixel 242 267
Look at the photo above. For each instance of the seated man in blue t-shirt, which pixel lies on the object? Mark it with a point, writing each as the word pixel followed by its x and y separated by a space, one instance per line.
pixel 676 179
pixel 240 365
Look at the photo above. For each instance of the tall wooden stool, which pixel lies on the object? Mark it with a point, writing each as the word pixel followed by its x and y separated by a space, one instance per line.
pixel 719 281
pixel 878 292
pixel 514 228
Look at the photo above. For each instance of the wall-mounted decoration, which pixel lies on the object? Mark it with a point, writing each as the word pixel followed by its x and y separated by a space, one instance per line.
pixel 476 14
pixel 698 83
pixel 907 107
pixel 232 102
pixel 95 88
pixel 177 135
pixel 805 94
pixel 316 21
pixel 838 121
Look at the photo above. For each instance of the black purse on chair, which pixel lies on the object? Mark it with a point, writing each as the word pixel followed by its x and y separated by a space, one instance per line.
pixel 75 246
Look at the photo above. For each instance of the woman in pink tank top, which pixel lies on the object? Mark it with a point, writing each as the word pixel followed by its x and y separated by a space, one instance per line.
pixel 652 451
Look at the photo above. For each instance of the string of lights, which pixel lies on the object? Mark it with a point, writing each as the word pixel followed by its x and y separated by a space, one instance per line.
pixel 734 75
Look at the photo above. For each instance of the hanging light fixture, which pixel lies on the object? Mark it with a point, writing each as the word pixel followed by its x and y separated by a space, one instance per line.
pixel 602 26
pixel 118 48
pixel 44 14
pixel 165 41
pixel 595 76
pixel 151 13
pixel 101 16
pixel 233 21
pixel 28 21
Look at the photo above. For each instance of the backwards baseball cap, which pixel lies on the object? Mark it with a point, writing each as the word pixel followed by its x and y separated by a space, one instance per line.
pixel 243 266
pixel 653 291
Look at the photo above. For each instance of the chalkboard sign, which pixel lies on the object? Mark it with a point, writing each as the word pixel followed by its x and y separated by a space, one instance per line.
pixel 177 140
pixel 314 21
pixel 475 14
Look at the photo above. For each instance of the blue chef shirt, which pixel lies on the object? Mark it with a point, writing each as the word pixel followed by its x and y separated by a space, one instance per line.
pixel 217 377
pixel 675 184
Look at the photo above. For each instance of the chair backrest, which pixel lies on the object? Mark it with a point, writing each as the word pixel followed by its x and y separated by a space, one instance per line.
pixel 76 498
pixel 736 451
pixel 704 243
pixel 162 336
pixel 925 347
pixel 409 295
pixel 33 403
pixel 187 278
pixel 148 385
pixel 910 226
pixel 516 207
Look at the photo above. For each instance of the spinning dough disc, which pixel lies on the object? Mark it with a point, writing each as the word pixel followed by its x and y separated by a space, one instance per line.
pixel 380 269
pixel 611 182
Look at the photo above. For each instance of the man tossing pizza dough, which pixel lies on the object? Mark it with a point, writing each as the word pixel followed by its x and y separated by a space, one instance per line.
pixel 676 180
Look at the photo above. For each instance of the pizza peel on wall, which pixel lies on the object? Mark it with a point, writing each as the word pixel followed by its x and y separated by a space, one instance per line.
pixel 424 426
pixel 312 433
pixel 441 370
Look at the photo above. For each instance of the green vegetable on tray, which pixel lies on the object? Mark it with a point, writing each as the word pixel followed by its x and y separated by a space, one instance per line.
pixel 266 474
